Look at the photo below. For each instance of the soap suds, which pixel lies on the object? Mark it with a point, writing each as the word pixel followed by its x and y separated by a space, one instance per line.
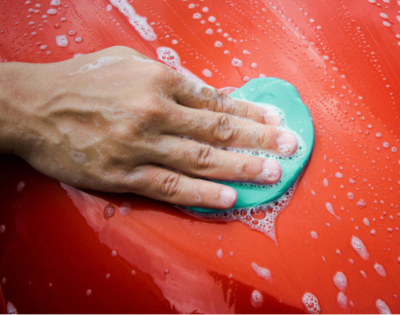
pixel 263 273
pixel 137 21
pixel 311 304
pixel 340 281
pixel 359 247
pixel 382 307
pixel 172 59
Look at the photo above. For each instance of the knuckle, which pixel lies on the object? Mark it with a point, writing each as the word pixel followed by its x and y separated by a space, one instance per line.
pixel 242 164
pixel 218 101
pixel 265 138
pixel 223 130
pixel 204 156
pixel 169 184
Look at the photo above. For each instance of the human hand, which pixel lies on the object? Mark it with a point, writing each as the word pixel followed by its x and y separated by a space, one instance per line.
pixel 112 120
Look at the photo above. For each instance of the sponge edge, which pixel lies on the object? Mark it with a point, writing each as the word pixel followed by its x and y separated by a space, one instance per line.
pixel 296 117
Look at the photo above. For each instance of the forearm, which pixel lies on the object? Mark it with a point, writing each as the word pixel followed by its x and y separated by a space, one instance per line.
pixel 11 111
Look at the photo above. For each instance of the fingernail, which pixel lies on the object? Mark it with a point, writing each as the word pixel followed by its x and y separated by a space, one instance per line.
pixel 287 143
pixel 228 197
pixel 271 172
pixel 272 118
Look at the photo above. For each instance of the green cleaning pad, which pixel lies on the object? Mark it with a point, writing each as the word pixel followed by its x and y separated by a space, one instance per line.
pixel 284 98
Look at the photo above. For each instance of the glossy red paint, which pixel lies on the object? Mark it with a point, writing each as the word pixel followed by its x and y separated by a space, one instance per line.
pixel 344 61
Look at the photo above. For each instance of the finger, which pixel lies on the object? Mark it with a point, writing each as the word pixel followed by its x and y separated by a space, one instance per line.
pixel 201 96
pixel 165 185
pixel 226 131
pixel 203 160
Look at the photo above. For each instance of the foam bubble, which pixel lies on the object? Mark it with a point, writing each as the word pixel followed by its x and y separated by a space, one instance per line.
pixel 218 44
pixel 2 228
pixel 207 73
pixel 52 11
pixel 137 21
pixel 380 270
pixel 125 208
pixel 20 186
pixel 55 3
pixel 366 221
pixel 350 195
pixel 361 204
pixel 330 209
pixel 256 299
pixel 263 273
pixel 311 304
pixel 62 40
pixel 359 247
pixel 341 300
pixel 382 307
pixel 325 182
pixel 314 235
pixel 340 281
pixel 88 292
pixel 363 273
pixel 109 211
pixel 11 309
pixel 211 19
pixel 236 62
pixel 220 253
pixel 171 58
pixel 339 175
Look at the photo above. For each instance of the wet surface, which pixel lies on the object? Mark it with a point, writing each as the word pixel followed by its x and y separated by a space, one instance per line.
pixel 341 56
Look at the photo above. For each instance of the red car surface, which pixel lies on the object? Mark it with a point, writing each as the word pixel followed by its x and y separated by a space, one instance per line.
pixel 58 253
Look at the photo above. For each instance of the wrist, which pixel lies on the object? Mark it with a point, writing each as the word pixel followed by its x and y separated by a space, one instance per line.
pixel 19 95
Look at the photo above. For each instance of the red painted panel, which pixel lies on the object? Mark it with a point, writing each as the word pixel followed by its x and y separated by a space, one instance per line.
pixel 343 56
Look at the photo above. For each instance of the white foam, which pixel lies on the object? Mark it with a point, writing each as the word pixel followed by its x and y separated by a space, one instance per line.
pixel 380 270
pixel 11 309
pixel 263 273
pixel 55 3
pixel 359 247
pixel 382 307
pixel 207 73
pixel 220 253
pixel 236 62
pixel 340 281
pixel 52 11
pixel 311 304
pixel 125 208
pixel 330 209
pixel 20 186
pixel 171 58
pixel 260 218
pixel 256 299
pixel 62 40
pixel 137 21
pixel 342 300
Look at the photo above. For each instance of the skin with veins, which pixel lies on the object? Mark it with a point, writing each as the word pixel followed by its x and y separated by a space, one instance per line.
pixel 111 120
